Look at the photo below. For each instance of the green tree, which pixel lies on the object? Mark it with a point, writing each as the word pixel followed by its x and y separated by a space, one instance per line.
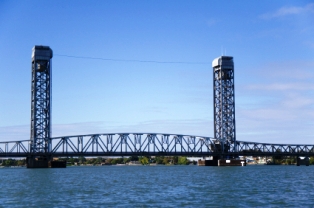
pixel 183 161
pixel 134 158
pixel 152 160
pixel 126 160
pixel 293 160
pixel 165 161
pixel 21 162
pixel 288 161
pixel 278 159
pixel 98 160
pixel 71 160
pixel 159 160
pixel 175 160
pixel 117 161
pixel 82 159
pixel 144 160
pixel 90 161
pixel 108 161
pixel 9 162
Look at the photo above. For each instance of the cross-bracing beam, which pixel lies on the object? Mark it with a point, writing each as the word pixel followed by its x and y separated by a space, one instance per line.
pixel 150 144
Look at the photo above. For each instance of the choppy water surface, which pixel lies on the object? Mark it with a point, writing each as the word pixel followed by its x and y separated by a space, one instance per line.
pixel 158 186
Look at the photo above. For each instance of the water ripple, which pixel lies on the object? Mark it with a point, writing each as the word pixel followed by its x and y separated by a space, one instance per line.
pixel 158 186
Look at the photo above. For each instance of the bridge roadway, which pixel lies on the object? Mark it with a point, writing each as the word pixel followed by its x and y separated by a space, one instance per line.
pixel 149 144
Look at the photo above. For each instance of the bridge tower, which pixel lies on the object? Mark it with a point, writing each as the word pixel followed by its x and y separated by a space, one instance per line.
pixel 40 106
pixel 224 104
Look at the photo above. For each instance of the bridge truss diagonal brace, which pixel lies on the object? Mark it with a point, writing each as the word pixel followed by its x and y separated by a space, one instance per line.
pixel 151 144
pixel 129 144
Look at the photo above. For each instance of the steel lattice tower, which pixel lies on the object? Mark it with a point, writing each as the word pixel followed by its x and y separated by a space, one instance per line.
pixel 41 99
pixel 224 104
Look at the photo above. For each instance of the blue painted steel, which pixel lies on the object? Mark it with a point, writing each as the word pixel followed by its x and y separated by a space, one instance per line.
pixel 150 144
pixel 223 99
pixel 41 99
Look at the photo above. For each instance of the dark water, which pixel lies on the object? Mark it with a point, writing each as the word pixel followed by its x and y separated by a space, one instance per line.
pixel 158 186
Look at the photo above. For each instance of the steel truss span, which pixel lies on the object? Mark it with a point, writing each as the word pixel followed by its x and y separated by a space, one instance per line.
pixel 150 144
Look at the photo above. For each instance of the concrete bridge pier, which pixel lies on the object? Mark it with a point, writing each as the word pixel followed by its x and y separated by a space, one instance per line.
pixel 44 162
pixel 37 162
pixel 305 161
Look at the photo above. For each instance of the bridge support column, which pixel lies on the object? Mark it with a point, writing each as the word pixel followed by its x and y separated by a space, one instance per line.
pixel 223 97
pixel 37 162
pixel 44 162
pixel 40 107
pixel 305 161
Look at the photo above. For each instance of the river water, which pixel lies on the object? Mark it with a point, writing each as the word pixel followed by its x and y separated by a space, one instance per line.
pixel 158 186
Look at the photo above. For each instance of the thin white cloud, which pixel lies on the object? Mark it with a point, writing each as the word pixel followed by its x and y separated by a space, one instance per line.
pixel 309 44
pixel 14 133
pixel 197 127
pixel 293 101
pixel 211 22
pixel 287 121
pixel 289 10
pixel 78 128
pixel 278 131
pixel 281 86
pixel 267 114
pixel 286 70
pixel 278 107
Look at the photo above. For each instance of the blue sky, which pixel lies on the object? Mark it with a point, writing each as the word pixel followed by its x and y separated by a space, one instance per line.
pixel 272 43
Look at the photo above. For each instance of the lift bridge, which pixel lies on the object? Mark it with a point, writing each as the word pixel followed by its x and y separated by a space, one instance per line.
pixel 41 147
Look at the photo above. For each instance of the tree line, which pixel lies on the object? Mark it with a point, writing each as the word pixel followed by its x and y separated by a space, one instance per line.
pixel 12 162
pixel 287 160
pixel 162 160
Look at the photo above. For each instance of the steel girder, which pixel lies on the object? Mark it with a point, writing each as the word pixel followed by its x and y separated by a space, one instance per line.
pixel 127 144
pixel 41 99
pixel 117 144
pixel 266 149
pixel 151 144
pixel 223 98
pixel 15 148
